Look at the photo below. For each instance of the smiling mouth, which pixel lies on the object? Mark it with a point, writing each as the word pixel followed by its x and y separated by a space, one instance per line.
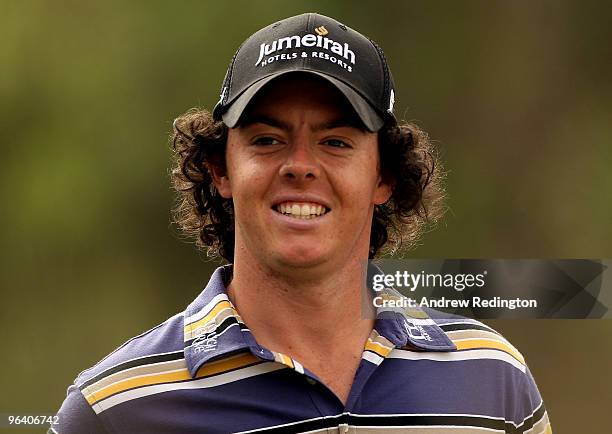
pixel 301 210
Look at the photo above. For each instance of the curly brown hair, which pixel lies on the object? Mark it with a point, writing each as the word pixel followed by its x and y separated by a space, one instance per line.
pixel 408 161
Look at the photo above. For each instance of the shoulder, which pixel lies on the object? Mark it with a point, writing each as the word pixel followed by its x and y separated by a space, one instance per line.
pixel 160 348
pixel 161 343
pixel 490 367
pixel 474 338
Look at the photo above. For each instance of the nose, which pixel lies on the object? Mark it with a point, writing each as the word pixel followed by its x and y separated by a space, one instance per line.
pixel 301 163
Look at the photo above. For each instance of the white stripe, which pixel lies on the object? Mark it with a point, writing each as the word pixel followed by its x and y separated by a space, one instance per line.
pixel 415 321
pixel 207 327
pixel 439 414
pixel 453 414
pixel 206 309
pixel 373 358
pixel 201 383
pixel 473 322
pixel 491 335
pixel 298 366
pixel 293 423
pixel 543 427
pixel 431 427
pixel 357 427
pixel 530 415
pixel 495 338
pixel 457 356
pixel 421 321
pixel 428 414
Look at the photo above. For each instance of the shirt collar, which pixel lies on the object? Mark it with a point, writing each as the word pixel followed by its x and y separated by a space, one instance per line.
pixel 406 326
pixel 213 328
pixel 410 327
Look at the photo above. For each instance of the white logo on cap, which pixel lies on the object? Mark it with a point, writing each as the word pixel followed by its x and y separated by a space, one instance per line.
pixel 391 101
pixel 308 40
pixel 222 95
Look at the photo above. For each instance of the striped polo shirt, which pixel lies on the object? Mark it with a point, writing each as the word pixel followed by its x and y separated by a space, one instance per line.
pixel 202 371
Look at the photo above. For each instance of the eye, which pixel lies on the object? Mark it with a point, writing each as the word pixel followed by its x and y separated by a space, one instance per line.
pixel 265 141
pixel 336 143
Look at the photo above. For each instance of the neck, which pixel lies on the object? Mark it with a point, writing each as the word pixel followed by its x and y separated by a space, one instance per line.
pixel 321 307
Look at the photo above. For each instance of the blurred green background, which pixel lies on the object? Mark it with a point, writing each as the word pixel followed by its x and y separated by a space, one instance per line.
pixel 517 95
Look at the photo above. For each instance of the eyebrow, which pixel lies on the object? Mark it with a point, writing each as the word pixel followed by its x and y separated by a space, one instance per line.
pixel 277 123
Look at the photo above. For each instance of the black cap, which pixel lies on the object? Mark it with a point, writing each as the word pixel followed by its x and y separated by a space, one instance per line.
pixel 317 44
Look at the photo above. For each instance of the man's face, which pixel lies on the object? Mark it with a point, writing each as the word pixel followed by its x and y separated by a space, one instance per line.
pixel 303 176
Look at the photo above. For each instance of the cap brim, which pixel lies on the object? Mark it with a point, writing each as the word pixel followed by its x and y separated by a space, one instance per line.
pixel 372 121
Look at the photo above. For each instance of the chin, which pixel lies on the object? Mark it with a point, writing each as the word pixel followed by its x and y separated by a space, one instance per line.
pixel 301 257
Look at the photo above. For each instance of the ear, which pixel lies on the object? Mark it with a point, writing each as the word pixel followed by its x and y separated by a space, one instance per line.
pixel 383 192
pixel 220 180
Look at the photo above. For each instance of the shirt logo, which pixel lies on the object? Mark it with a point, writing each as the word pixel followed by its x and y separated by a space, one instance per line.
pixel 416 331
pixel 206 339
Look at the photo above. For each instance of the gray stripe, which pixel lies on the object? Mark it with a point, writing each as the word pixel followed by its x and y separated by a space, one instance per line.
pixel 540 426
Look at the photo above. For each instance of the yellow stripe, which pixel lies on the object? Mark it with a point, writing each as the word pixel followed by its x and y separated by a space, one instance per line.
pixel 226 364
pixel 285 360
pixel 223 304
pixel 469 344
pixel 129 383
pixel 169 377
pixel 378 348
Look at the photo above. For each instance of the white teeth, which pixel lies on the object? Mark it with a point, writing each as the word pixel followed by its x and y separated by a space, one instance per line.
pixel 301 210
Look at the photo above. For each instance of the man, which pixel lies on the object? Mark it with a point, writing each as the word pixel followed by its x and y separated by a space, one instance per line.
pixel 299 177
